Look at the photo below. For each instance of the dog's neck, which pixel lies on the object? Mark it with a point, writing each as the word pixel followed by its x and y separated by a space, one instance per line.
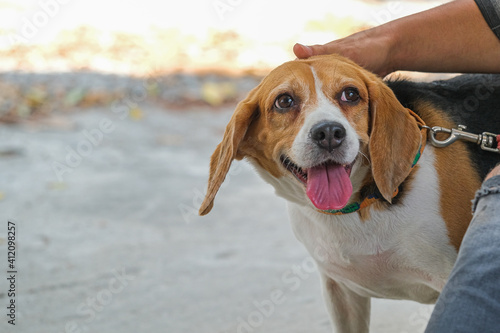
pixel 370 193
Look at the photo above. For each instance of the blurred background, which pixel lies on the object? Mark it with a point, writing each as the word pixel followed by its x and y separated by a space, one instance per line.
pixel 197 48
pixel 109 112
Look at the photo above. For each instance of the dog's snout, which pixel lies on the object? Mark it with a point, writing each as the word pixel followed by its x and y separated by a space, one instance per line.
pixel 328 135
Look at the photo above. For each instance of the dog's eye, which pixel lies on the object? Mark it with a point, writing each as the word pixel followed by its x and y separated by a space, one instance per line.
pixel 284 101
pixel 350 95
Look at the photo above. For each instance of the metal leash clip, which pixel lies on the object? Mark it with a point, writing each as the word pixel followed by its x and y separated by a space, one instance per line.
pixel 487 141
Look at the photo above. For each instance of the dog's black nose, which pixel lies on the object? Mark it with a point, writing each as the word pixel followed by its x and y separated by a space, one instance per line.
pixel 328 135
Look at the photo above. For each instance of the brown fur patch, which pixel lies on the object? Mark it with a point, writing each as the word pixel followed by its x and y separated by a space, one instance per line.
pixel 456 194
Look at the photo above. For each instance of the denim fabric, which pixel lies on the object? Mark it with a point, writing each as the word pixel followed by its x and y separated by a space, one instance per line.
pixel 470 301
pixel 491 13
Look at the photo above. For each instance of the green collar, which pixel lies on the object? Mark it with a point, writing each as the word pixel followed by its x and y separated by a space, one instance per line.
pixel 371 198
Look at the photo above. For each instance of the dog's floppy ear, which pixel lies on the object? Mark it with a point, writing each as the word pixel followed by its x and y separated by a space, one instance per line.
pixel 394 140
pixel 227 150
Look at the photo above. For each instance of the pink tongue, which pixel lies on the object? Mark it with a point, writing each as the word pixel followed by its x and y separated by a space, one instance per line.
pixel 328 186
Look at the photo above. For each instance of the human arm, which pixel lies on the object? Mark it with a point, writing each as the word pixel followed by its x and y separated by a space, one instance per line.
pixel 453 37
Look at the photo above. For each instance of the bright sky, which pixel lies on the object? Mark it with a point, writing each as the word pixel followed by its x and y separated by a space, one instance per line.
pixel 41 20
pixel 265 30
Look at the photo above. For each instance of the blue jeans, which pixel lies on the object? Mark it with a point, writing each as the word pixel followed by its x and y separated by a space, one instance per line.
pixel 470 301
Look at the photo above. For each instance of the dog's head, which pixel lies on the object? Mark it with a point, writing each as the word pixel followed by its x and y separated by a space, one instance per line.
pixel 317 129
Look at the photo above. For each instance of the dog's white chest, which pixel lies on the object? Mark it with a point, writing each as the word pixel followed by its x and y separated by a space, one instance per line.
pixel 396 253
pixel 375 261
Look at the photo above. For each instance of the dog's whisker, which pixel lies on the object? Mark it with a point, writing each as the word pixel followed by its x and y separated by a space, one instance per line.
pixel 365 157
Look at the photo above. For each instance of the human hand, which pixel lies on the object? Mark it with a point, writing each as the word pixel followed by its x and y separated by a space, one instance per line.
pixel 451 38
pixel 369 48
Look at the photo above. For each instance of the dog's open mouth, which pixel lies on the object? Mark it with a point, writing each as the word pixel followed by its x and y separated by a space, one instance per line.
pixel 297 171
pixel 328 185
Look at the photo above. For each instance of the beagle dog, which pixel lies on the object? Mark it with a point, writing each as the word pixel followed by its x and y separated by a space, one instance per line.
pixel 381 212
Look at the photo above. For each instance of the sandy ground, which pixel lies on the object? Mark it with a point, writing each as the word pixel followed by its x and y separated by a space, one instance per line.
pixel 107 239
